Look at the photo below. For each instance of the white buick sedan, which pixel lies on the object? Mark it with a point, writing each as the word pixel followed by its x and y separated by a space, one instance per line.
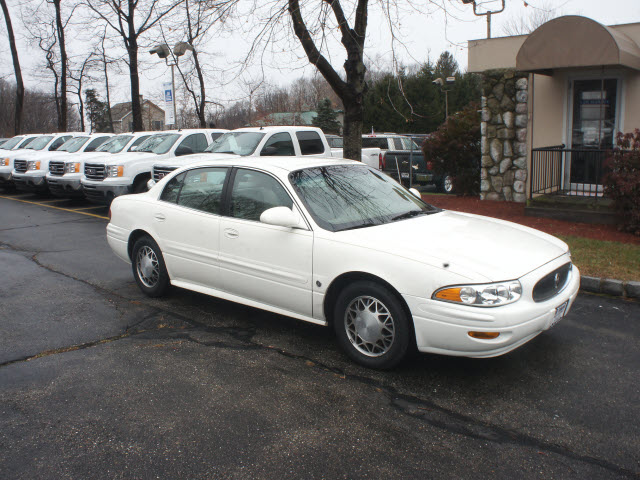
pixel 334 242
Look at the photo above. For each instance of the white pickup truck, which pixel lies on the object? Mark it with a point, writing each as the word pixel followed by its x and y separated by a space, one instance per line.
pixel 33 179
pixel 8 152
pixel 294 141
pixel 63 178
pixel 109 178
pixel 19 161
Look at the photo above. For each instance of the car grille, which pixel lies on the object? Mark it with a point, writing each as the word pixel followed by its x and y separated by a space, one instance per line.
pixel 552 284
pixel 56 168
pixel 94 171
pixel 20 165
pixel 160 172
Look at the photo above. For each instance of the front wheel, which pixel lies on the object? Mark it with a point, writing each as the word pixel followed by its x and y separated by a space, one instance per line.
pixel 371 325
pixel 446 185
pixel 148 267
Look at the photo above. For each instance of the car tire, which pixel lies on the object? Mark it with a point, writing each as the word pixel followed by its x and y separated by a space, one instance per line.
pixel 371 326
pixel 446 185
pixel 149 268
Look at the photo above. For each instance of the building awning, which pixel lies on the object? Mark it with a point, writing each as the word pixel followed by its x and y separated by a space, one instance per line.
pixel 573 41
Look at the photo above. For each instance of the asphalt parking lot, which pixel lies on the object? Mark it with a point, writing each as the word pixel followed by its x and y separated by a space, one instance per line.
pixel 98 381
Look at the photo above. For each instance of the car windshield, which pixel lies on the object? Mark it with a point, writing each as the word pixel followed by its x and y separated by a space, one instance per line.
pixel 158 143
pixel 40 142
pixel 115 145
pixel 12 142
pixel 73 144
pixel 344 197
pixel 239 143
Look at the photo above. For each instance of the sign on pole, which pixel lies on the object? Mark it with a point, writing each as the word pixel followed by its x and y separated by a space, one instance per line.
pixel 169 98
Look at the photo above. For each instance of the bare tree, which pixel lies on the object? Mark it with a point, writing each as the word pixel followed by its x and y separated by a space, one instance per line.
pixel 200 16
pixel 351 89
pixel 121 16
pixel 16 68
pixel 524 25
pixel 79 76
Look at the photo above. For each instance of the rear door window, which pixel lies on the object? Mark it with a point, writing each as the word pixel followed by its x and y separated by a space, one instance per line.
pixel 310 143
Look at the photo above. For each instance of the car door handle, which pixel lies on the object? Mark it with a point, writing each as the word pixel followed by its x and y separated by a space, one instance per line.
pixel 160 217
pixel 231 233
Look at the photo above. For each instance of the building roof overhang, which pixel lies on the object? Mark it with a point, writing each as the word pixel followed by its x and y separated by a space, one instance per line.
pixel 574 41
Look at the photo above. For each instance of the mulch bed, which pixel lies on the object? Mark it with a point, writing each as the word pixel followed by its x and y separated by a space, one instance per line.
pixel 514 212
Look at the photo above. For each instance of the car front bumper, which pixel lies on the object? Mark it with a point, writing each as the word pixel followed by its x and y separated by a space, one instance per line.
pixel 444 328
pixel 30 182
pixel 65 185
pixel 103 192
pixel 6 177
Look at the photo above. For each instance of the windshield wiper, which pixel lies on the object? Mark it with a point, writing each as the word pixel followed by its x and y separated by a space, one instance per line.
pixel 412 213
pixel 362 225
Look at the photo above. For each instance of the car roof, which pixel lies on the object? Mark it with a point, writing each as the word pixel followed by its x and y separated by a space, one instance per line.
pixel 278 128
pixel 287 164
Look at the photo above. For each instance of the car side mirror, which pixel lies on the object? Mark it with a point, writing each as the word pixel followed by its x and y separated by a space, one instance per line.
pixel 183 150
pixel 269 151
pixel 282 217
pixel 415 192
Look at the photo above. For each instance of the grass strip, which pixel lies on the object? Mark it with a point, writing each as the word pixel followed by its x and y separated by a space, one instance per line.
pixel 599 258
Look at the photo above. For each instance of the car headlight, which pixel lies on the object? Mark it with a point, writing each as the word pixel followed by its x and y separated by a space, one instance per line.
pixel 71 167
pixel 33 165
pixel 4 162
pixel 115 170
pixel 485 295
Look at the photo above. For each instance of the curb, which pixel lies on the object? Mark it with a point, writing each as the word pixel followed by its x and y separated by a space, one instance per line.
pixel 608 286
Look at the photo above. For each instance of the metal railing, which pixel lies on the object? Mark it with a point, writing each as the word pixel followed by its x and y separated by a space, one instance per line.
pixel 557 170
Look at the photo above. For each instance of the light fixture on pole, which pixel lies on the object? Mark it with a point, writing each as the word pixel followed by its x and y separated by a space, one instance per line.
pixel 442 83
pixel 163 51
pixel 488 13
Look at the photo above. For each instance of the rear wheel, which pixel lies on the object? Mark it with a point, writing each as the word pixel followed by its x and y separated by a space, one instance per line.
pixel 371 325
pixel 148 267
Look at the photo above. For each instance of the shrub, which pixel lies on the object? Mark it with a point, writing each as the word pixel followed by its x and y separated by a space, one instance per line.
pixel 454 149
pixel 622 180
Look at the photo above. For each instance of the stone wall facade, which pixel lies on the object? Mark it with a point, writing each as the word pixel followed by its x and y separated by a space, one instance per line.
pixel 503 174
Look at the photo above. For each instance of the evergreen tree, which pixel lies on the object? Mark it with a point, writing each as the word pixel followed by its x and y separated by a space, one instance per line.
pixel 327 118
pixel 96 111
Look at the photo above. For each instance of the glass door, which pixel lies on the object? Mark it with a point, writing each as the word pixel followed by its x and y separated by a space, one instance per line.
pixel 593 127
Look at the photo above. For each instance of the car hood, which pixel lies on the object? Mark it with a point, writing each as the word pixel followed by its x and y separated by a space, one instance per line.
pixel 112 159
pixel 194 158
pixel 482 249
pixel 22 154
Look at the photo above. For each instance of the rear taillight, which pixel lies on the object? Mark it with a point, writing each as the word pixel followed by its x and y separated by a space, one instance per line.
pixel 382 161
pixel 429 165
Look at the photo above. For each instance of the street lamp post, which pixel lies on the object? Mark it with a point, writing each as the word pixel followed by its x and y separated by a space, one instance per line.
pixel 163 51
pixel 442 83
pixel 488 13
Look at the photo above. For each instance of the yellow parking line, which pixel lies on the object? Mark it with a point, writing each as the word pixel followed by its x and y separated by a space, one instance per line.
pixel 89 208
pixel 51 206
pixel 57 200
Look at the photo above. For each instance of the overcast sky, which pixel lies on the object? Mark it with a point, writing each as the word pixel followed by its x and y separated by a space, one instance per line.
pixel 422 34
